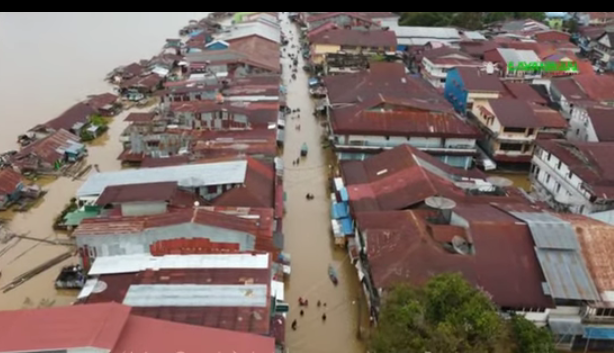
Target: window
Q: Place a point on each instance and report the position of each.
(560, 165)
(530, 132)
(558, 187)
(211, 189)
(570, 175)
(549, 156)
(547, 178)
(510, 147)
(577, 132)
(387, 138)
(514, 130)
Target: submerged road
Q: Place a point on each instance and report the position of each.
(307, 230)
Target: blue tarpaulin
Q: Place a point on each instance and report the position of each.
(345, 197)
(197, 32)
(339, 210)
(599, 333)
(347, 226)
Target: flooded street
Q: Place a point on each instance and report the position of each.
(308, 235)
(36, 86)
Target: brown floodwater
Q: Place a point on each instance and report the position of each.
(308, 237)
(50, 61)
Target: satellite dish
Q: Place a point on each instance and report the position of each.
(196, 204)
(500, 182)
(460, 245)
(440, 203)
(100, 287)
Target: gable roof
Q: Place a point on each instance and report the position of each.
(92, 326)
(258, 189)
(51, 148)
(78, 113)
(524, 91)
(603, 122)
(476, 80)
(9, 180)
(149, 192)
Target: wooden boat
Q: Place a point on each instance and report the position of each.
(304, 150)
(332, 274)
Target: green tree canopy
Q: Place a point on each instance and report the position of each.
(448, 315)
(467, 20)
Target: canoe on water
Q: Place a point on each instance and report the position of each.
(332, 274)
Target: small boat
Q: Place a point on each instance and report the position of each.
(332, 274)
(304, 150)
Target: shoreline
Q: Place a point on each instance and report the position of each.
(21, 256)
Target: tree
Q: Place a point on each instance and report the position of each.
(466, 20)
(449, 315)
(530, 338)
(572, 26)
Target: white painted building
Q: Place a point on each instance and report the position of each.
(574, 176)
(592, 124)
(438, 62)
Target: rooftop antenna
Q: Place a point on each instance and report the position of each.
(444, 206)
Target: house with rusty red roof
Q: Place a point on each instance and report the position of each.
(73, 120)
(574, 176)
(582, 91)
(511, 127)
(105, 104)
(404, 177)
(383, 108)
(232, 291)
(250, 229)
(11, 185)
(594, 123)
(412, 246)
(50, 153)
(466, 85)
(359, 42)
(112, 328)
(349, 20)
(437, 62)
(225, 115)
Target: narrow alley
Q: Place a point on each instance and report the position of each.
(307, 231)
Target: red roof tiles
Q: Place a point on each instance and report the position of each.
(77, 327)
(149, 335)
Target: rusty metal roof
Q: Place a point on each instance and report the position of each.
(9, 180)
(514, 113)
(356, 38)
(149, 192)
(78, 113)
(400, 248)
(597, 244)
(140, 117)
(148, 335)
(49, 149)
(100, 101)
(245, 319)
(258, 190)
(603, 122)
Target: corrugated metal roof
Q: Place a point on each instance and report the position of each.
(516, 56)
(566, 275)
(138, 263)
(549, 232)
(252, 29)
(196, 295)
(432, 33)
(473, 35)
(194, 175)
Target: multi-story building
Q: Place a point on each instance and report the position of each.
(512, 126)
(466, 85)
(436, 64)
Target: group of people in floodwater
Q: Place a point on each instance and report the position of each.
(304, 304)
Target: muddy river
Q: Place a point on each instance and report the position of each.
(50, 61)
(308, 235)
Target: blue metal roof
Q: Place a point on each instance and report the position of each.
(599, 333)
(339, 210)
(345, 197)
(347, 226)
(195, 33)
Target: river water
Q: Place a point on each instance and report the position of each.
(308, 235)
(50, 61)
